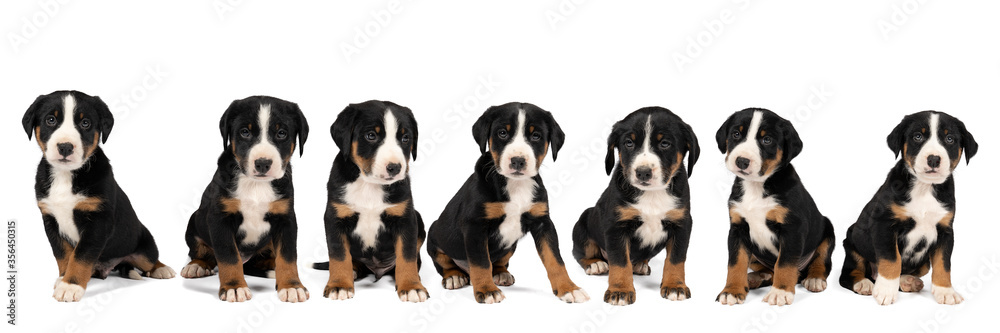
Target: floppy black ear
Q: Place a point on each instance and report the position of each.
(30, 118)
(224, 122)
(107, 119)
(303, 128)
(342, 130)
(722, 136)
(793, 143)
(413, 138)
(897, 138)
(694, 150)
(609, 160)
(968, 142)
(556, 135)
(481, 129)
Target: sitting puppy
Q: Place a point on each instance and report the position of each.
(371, 225)
(646, 207)
(246, 220)
(503, 200)
(907, 227)
(88, 219)
(776, 228)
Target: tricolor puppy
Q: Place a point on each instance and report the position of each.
(88, 219)
(645, 209)
(371, 225)
(906, 230)
(776, 228)
(503, 200)
(246, 221)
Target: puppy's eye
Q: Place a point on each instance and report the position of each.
(535, 136)
(281, 135)
(918, 137)
(737, 135)
(405, 138)
(85, 123)
(629, 143)
(767, 141)
(50, 120)
(664, 144)
(950, 139)
(371, 136)
(245, 133)
(502, 134)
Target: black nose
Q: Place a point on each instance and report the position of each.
(518, 163)
(644, 174)
(742, 163)
(262, 165)
(934, 161)
(65, 149)
(393, 169)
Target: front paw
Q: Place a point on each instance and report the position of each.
(597, 268)
(732, 296)
(194, 271)
(576, 296)
(620, 296)
(417, 294)
(490, 295)
(503, 279)
(675, 293)
(65, 292)
(164, 272)
(947, 296)
(293, 295)
(338, 293)
(235, 295)
(864, 287)
(779, 297)
(886, 291)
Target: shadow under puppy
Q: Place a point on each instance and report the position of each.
(371, 224)
(504, 199)
(246, 221)
(88, 219)
(645, 209)
(776, 228)
(907, 229)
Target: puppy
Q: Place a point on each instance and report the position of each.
(776, 228)
(646, 207)
(246, 221)
(371, 225)
(503, 200)
(88, 219)
(907, 227)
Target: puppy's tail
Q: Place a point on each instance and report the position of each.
(322, 266)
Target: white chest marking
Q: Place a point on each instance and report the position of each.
(255, 200)
(754, 208)
(653, 207)
(61, 201)
(521, 193)
(927, 212)
(368, 200)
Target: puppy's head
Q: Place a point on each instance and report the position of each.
(68, 125)
(261, 132)
(932, 144)
(757, 142)
(519, 136)
(651, 145)
(380, 137)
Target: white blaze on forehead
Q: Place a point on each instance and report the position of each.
(933, 147)
(66, 133)
(519, 147)
(264, 148)
(389, 152)
(748, 149)
(647, 158)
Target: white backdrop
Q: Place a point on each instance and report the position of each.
(846, 72)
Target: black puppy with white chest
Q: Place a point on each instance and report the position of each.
(646, 207)
(88, 219)
(776, 229)
(246, 221)
(371, 225)
(504, 199)
(906, 230)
